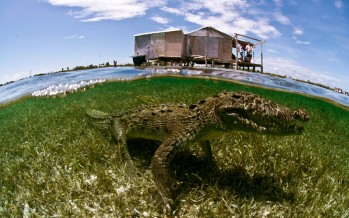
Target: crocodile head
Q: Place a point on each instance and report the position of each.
(250, 112)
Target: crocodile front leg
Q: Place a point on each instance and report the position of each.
(119, 133)
(160, 169)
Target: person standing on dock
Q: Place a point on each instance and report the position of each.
(240, 50)
(249, 49)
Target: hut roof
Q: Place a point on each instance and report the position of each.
(198, 32)
(163, 31)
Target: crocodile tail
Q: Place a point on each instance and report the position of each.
(100, 119)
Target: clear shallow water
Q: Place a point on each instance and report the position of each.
(31, 85)
(49, 142)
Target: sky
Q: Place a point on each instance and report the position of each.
(304, 39)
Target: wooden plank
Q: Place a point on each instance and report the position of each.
(249, 37)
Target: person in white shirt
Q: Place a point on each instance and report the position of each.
(249, 49)
(240, 50)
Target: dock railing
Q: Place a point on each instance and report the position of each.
(239, 39)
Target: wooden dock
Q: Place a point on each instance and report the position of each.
(190, 61)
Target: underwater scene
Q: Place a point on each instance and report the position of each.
(54, 162)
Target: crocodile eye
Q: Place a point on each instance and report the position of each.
(237, 111)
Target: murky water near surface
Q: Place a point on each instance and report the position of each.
(60, 82)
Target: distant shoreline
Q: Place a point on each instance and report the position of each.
(266, 73)
(78, 68)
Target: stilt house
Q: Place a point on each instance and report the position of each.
(206, 45)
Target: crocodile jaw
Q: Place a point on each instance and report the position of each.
(237, 122)
(250, 112)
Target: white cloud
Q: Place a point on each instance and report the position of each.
(97, 10)
(171, 10)
(338, 4)
(282, 18)
(229, 16)
(297, 41)
(290, 68)
(74, 37)
(160, 20)
(272, 50)
(171, 28)
(297, 31)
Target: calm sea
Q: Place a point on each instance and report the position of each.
(51, 83)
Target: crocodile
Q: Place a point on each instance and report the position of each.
(176, 126)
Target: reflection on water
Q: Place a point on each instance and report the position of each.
(62, 82)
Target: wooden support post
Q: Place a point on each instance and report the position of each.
(237, 55)
(262, 58)
(206, 60)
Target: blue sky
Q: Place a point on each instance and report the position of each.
(306, 39)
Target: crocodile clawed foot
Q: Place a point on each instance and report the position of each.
(168, 208)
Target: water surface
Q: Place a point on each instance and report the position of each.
(31, 85)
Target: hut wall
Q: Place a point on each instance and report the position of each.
(157, 45)
(210, 42)
(160, 44)
(174, 44)
(225, 49)
(142, 43)
(212, 47)
(195, 45)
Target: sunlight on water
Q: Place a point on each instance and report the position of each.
(54, 90)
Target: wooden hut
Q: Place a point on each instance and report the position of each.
(161, 46)
(208, 45)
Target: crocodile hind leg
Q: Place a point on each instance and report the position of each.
(160, 170)
(119, 133)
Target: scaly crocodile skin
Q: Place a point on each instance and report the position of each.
(177, 126)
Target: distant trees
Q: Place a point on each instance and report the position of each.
(91, 66)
